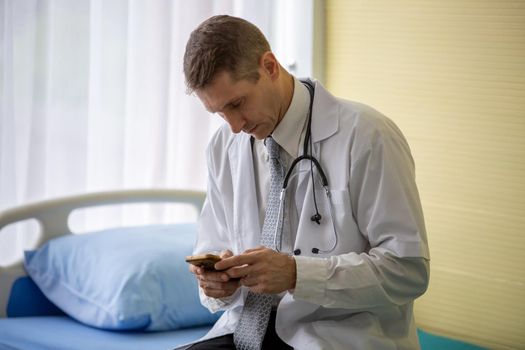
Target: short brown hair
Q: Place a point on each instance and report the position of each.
(223, 43)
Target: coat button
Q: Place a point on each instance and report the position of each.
(297, 252)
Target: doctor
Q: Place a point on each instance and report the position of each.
(346, 281)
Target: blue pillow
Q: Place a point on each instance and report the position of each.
(26, 300)
(122, 279)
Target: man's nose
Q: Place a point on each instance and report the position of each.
(235, 120)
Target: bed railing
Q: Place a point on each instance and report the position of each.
(53, 214)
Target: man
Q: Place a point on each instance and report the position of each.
(330, 270)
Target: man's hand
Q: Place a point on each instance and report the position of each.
(261, 269)
(216, 284)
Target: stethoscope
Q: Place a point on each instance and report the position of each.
(313, 163)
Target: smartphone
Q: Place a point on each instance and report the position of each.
(206, 261)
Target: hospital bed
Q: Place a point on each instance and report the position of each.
(121, 288)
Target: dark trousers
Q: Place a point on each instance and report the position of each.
(271, 340)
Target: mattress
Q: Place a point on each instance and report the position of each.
(64, 333)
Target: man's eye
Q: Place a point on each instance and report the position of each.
(236, 104)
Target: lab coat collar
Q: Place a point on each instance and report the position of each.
(288, 132)
(325, 113)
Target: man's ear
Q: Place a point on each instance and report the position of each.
(270, 65)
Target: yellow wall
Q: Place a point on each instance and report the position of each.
(451, 74)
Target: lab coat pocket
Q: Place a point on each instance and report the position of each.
(336, 205)
(340, 197)
(337, 209)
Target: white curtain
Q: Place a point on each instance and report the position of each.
(92, 98)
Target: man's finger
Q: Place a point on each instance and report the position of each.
(226, 254)
(240, 271)
(234, 261)
(248, 281)
(251, 250)
(212, 284)
(214, 276)
(217, 293)
(219, 289)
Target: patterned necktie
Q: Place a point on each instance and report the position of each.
(251, 329)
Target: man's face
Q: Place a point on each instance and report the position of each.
(246, 106)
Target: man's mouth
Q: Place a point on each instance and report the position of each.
(251, 130)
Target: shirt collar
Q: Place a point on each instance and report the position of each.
(289, 131)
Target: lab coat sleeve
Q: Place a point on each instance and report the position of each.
(360, 281)
(217, 304)
(212, 232)
(387, 209)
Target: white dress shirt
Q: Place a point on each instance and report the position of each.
(289, 134)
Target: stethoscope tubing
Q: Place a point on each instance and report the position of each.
(321, 174)
(280, 223)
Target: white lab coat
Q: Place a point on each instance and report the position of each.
(359, 296)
